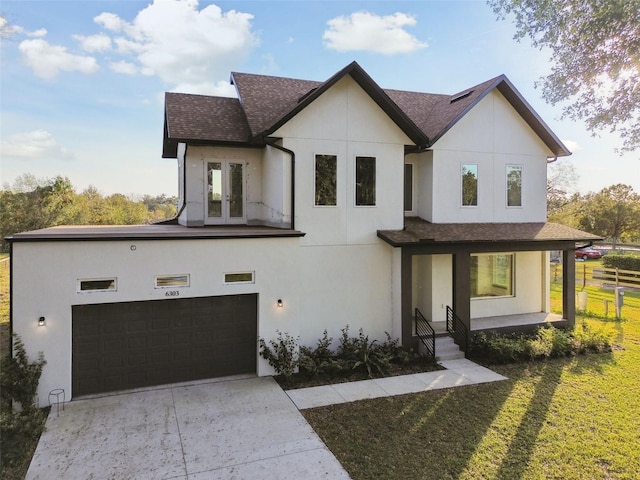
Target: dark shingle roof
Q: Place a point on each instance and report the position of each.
(267, 102)
(266, 99)
(201, 118)
(419, 231)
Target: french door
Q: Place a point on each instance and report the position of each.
(225, 202)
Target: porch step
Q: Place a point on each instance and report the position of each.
(446, 349)
(439, 327)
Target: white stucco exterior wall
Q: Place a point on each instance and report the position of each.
(492, 135)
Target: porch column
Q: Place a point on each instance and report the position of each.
(569, 286)
(462, 286)
(406, 298)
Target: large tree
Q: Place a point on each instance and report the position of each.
(595, 58)
(613, 212)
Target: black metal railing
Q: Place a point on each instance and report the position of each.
(458, 330)
(426, 334)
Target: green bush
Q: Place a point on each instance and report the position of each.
(623, 262)
(19, 377)
(283, 354)
(547, 342)
(354, 353)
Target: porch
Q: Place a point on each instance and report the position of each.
(508, 323)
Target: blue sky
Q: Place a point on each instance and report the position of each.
(82, 82)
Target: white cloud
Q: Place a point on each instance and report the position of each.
(184, 46)
(7, 31)
(364, 31)
(110, 21)
(37, 144)
(94, 43)
(572, 145)
(126, 68)
(41, 32)
(48, 60)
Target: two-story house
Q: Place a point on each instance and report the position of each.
(304, 206)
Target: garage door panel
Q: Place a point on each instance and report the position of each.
(135, 344)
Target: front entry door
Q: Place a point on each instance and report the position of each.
(225, 202)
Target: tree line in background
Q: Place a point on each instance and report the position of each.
(32, 203)
(612, 213)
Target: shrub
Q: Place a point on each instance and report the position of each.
(587, 340)
(283, 354)
(547, 342)
(19, 377)
(320, 360)
(623, 262)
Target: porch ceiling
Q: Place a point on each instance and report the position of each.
(420, 232)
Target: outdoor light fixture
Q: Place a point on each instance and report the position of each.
(41, 322)
(279, 303)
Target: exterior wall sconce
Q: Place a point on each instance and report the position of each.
(41, 322)
(279, 303)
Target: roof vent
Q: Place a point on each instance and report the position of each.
(460, 96)
(306, 94)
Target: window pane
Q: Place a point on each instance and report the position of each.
(408, 187)
(240, 277)
(214, 196)
(365, 181)
(514, 186)
(101, 284)
(470, 185)
(236, 196)
(491, 275)
(326, 186)
(172, 281)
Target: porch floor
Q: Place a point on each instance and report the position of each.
(521, 320)
(516, 322)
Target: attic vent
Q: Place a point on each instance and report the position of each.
(306, 94)
(460, 96)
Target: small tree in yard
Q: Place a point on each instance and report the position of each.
(19, 378)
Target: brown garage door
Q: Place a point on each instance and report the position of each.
(119, 346)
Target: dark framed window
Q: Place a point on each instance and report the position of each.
(408, 187)
(326, 180)
(365, 181)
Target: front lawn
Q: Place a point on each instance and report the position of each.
(569, 418)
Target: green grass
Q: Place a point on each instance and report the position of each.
(572, 418)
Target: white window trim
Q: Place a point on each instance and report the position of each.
(313, 200)
(355, 203)
(414, 210)
(155, 281)
(513, 277)
(506, 186)
(100, 279)
(244, 272)
(462, 185)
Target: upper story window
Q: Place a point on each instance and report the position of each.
(408, 187)
(514, 185)
(365, 181)
(470, 185)
(326, 183)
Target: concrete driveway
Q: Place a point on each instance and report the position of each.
(230, 429)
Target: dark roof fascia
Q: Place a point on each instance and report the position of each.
(133, 237)
(477, 100)
(483, 245)
(524, 109)
(373, 90)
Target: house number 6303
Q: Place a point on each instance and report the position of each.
(172, 293)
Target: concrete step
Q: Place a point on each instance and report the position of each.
(446, 349)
